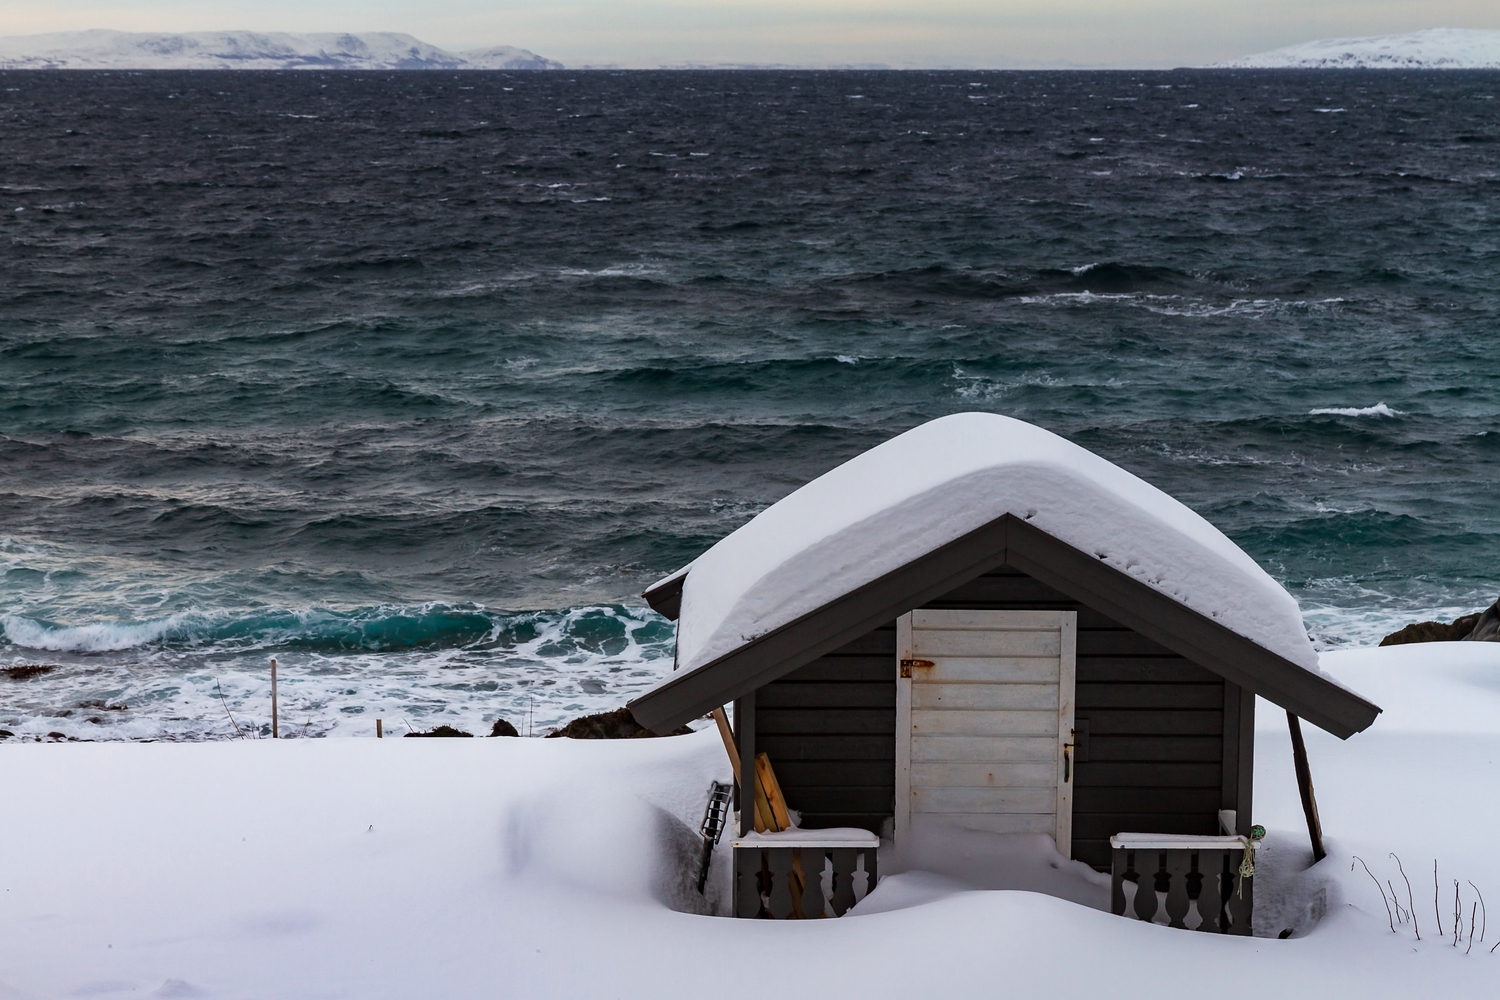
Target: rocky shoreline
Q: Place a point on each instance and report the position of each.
(1482, 626)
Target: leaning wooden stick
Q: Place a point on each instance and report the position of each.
(771, 813)
(764, 819)
(1305, 786)
(275, 726)
(727, 735)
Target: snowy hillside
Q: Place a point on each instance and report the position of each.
(1436, 48)
(249, 50)
(505, 57)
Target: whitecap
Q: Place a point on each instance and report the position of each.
(205, 674)
(98, 637)
(1378, 410)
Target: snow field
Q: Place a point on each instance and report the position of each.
(532, 868)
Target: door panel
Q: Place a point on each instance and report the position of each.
(985, 720)
(972, 722)
(979, 774)
(1019, 669)
(938, 641)
(985, 800)
(983, 748)
(990, 697)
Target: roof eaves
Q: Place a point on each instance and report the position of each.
(1007, 539)
(1133, 603)
(765, 658)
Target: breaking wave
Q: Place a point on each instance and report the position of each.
(203, 675)
(377, 629)
(1378, 410)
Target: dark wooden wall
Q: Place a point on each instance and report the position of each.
(830, 730)
(1163, 743)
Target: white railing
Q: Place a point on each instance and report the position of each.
(801, 874)
(1201, 883)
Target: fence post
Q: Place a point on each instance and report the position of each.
(275, 724)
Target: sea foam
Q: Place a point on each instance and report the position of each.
(1378, 410)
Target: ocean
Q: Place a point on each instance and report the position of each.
(414, 380)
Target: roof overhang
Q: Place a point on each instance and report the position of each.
(1007, 540)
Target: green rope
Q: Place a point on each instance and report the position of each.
(1247, 863)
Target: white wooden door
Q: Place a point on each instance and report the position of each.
(984, 720)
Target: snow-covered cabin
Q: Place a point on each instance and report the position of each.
(982, 621)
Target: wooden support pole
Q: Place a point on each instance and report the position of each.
(744, 724)
(1305, 786)
(763, 821)
(275, 725)
(727, 735)
(379, 729)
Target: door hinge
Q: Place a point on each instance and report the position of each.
(906, 666)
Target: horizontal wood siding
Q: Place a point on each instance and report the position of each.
(830, 731)
(1153, 761)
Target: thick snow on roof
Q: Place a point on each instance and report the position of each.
(937, 482)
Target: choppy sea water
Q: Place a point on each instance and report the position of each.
(414, 380)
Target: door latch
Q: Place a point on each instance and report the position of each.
(906, 666)
(1068, 755)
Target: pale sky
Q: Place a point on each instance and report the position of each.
(898, 33)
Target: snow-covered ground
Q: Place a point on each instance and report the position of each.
(529, 868)
(249, 50)
(1435, 48)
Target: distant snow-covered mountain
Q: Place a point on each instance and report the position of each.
(505, 57)
(249, 50)
(1436, 48)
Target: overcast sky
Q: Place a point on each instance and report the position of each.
(900, 33)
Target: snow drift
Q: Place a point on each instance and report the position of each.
(249, 50)
(555, 868)
(1435, 48)
(936, 483)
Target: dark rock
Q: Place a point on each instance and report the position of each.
(6, 734)
(26, 670)
(1433, 631)
(1487, 628)
(443, 731)
(503, 728)
(616, 725)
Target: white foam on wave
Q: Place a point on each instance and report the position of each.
(1378, 410)
(97, 637)
(1179, 305)
(168, 680)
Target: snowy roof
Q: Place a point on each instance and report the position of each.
(926, 488)
(939, 481)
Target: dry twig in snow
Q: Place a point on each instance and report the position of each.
(1378, 889)
(1411, 907)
